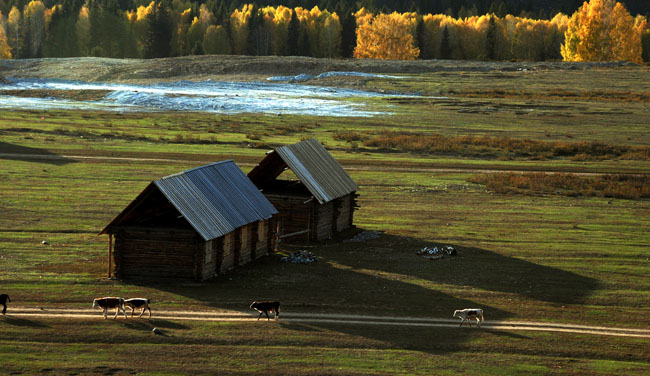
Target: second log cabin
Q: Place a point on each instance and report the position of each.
(318, 201)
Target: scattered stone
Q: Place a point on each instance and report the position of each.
(436, 253)
(300, 257)
(363, 236)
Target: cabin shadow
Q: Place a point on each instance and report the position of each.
(327, 288)
(23, 153)
(384, 277)
(484, 269)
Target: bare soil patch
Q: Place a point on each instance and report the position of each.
(78, 95)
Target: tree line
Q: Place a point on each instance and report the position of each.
(544, 9)
(127, 29)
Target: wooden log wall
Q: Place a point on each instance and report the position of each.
(245, 254)
(294, 214)
(299, 213)
(353, 206)
(228, 252)
(209, 265)
(145, 253)
(254, 242)
(148, 253)
(264, 235)
(345, 213)
(324, 216)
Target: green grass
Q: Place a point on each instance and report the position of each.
(282, 348)
(582, 260)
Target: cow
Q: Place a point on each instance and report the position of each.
(4, 298)
(469, 313)
(134, 303)
(266, 307)
(110, 302)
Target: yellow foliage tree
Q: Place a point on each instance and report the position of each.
(602, 30)
(215, 41)
(137, 19)
(34, 16)
(320, 32)
(330, 36)
(239, 29)
(13, 30)
(643, 27)
(491, 37)
(5, 51)
(276, 23)
(363, 17)
(182, 21)
(83, 31)
(387, 36)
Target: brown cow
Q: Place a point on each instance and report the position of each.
(110, 302)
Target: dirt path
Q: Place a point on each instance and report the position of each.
(335, 319)
(385, 167)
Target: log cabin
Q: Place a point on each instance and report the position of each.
(318, 202)
(192, 225)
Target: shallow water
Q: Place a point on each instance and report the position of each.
(202, 96)
(306, 77)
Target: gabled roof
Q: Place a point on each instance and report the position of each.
(215, 199)
(323, 176)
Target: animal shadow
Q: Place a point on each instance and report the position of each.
(18, 321)
(148, 325)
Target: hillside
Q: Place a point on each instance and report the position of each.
(246, 68)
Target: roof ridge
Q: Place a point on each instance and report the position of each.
(197, 168)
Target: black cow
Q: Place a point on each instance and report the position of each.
(266, 307)
(4, 298)
(110, 302)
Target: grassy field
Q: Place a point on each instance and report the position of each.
(538, 254)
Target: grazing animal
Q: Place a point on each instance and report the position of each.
(266, 307)
(4, 298)
(469, 313)
(110, 302)
(134, 303)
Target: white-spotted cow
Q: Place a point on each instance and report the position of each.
(134, 303)
(266, 307)
(469, 313)
(108, 302)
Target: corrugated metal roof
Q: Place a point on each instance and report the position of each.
(215, 199)
(317, 170)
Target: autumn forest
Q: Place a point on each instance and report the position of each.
(598, 30)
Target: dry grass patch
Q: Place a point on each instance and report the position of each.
(615, 186)
(489, 146)
(555, 94)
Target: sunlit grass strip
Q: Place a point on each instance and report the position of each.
(615, 186)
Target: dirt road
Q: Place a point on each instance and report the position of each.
(334, 319)
(384, 167)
